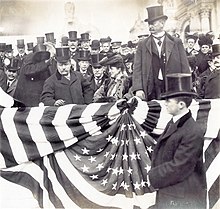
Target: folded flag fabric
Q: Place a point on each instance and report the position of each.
(96, 155)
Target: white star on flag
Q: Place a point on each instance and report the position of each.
(147, 168)
(100, 150)
(150, 149)
(100, 166)
(125, 157)
(143, 183)
(133, 156)
(93, 177)
(115, 171)
(104, 182)
(114, 186)
(130, 126)
(85, 168)
(137, 140)
(106, 154)
(137, 185)
(85, 151)
(77, 157)
(112, 156)
(114, 141)
(109, 138)
(143, 134)
(121, 171)
(123, 126)
(130, 170)
(92, 159)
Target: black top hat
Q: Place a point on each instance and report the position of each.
(40, 40)
(104, 40)
(40, 53)
(14, 64)
(62, 54)
(84, 55)
(2, 47)
(72, 35)
(20, 43)
(64, 41)
(215, 49)
(155, 13)
(50, 37)
(8, 48)
(96, 58)
(204, 40)
(178, 84)
(30, 46)
(85, 37)
(95, 44)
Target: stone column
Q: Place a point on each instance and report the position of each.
(205, 20)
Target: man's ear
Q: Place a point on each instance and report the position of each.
(182, 104)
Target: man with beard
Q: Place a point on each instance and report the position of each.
(156, 56)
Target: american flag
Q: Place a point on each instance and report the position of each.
(96, 155)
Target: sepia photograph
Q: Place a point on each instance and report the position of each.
(109, 104)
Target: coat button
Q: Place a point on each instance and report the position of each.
(32, 79)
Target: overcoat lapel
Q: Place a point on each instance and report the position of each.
(169, 44)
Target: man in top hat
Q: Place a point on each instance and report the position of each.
(177, 172)
(12, 76)
(105, 45)
(95, 46)
(30, 47)
(2, 55)
(85, 41)
(9, 51)
(156, 56)
(74, 51)
(116, 47)
(84, 64)
(40, 40)
(50, 38)
(34, 72)
(190, 42)
(66, 86)
(21, 51)
(64, 41)
(209, 87)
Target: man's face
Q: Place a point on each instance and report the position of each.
(83, 66)
(85, 45)
(64, 68)
(190, 43)
(21, 50)
(98, 71)
(73, 45)
(9, 54)
(11, 74)
(106, 47)
(216, 62)
(172, 106)
(116, 50)
(156, 26)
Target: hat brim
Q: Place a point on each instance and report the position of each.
(156, 18)
(176, 94)
(41, 56)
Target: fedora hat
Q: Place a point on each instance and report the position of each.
(96, 58)
(84, 55)
(73, 35)
(40, 53)
(50, 37)
(2, 47)
(13, 65)
(40, 40)
(178, 84)
(95, 44)
(20, 43)
(62, 54)
(215, 49)
(30, 46)
(8, 48)
(155, 13)
(85, 37)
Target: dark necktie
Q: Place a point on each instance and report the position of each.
(159, 39)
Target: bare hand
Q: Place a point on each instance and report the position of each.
(140, 94)
(59, 102)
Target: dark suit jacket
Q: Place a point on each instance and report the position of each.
(176, 61)
(12, 87)
(177, 166)
(3, 80)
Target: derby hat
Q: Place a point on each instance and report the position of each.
(62, 54)
(30, 46)
(2, 47)
(73, 35)
(105, 40)
(95, 59)
(95, 44)
(40, 53)
(215, 49)
(84, 55)
(85, 37)
(40, 40)
(50, 37)
(8, 48)
(155, 13)
(178, 84)
(64, 41)
(13, 65)
(20, 43)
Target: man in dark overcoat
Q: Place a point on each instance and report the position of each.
(156, 56)
(177, 172)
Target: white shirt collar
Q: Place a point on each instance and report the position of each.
(177, 117)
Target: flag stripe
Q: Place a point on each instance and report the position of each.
(214, 193)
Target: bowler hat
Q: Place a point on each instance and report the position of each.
(40, 40)
(2, 47)
(8, 48)
(64, 41)
(50, 37)
(13, 65)
(96, 58)
(104, 40)
(30, 46)
(215, 49)
(85, 37)
(62, 54)
(95, 44)
(155, 13)
(20, 43)
(72, 35)
(178, 84)
(40, 53)
(84, 55)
